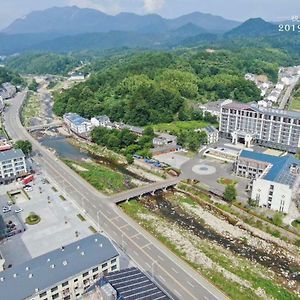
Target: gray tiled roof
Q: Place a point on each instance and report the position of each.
(80, 256)
(11, 154)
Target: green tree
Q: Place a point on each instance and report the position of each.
(149, 131)
(25, 146)
(230, 193)
(33, 86)
(130, 159)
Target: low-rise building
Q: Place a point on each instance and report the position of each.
(62, 274)
(214, 107)
(77, 124)
(212, 134)
(274, 179)
(7, 90)
(77, 76)
(12, 165)
(100, 121)
(165, 139)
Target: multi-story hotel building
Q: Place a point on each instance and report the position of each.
(12, 165)
(274, 180)
(249, 123)
(63, 274)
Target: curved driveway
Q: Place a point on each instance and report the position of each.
(181, 281)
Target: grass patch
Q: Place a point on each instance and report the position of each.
(100, 177)
(31, 109)
(81, 217)
(296, 224)
(62, 198)
(295, 103)
(92, 229)
(176, 127)
(226, 181)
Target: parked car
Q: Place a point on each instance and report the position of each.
(18, 210)
(6, 209)
(28, 188)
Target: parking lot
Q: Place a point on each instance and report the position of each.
(59, 223)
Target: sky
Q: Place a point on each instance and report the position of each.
(240, 10)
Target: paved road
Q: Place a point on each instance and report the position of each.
(181, 281)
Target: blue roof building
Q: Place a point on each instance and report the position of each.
(275, 179)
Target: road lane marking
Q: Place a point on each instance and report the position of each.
(178, 294)
(174, 270)
(164, 280)
(190, 284)
(160, 258)
(145, 246)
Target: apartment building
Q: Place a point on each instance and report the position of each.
(12, 165)
(274, 180)
(77, 124)
(249, 123)
(63, 274)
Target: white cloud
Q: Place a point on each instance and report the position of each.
(151, 6)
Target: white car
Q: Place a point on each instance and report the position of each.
(28, 189)
(6, 209)
(18, 210)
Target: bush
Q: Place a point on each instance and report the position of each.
(33, 219)
(277, 219)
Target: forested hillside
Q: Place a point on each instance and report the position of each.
(43, 63)
(9, 76)
(157, 87)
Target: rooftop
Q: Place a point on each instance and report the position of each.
(40, 273)
(75, 118)
(11, 154)
(259, 109)
(132, 284)
(210, 129)
(281, 166)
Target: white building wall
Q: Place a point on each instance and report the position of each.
(277, 199)
(77, 284)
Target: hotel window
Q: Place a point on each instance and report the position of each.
(54, 289)
(43, 294)
(55, 296)
(113, 268)
(113, 261)
(85, 274)
(65, 283)
(95, 269)
(104, 265)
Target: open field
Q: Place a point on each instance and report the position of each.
(244, 262)
(32, 108)
(175, 127)
(100, 177)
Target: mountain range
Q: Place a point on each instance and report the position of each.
(74, 20)
(64, 29)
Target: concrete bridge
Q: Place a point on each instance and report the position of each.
(144, 190)
(45, 126)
